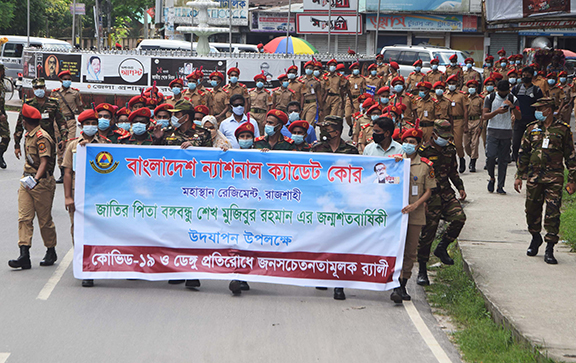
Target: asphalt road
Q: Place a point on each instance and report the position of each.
(141, 321)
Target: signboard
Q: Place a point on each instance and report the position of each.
(159, 213)
(48, 65)
(438, 6)
(165, 70)
(263, 21)
(216, 16)
(318, 23)
(422, 22)
(80, 9)
(337, 5)
(520, 9)
(115, 69)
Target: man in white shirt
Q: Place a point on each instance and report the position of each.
(383, 144)
(229, 125)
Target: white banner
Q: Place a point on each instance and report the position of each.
(521, 9)
(318, 23)
(337, 5)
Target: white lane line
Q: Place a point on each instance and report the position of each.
(56, 276)
(426, 334)
(4, 357)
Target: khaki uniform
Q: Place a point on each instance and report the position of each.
(457, 70)
(219, 102)
(312, 92)
(236, 89)
(261, 100)
(443, 109)
(487, 72)
(296, 85)
(435, 76)
(557, 94)
(198, 97)
(569, 94)
(70, 101)
(426, 111)
(458, 104)
(472, 136)
(362, 131)
(542, 83)
(408, 100)
(413, 79)
(333, 86)
(374, 83)
(281, 97)
(357, 87)
(38, 201)
(383, 71)
(171, 100)
(469, 75)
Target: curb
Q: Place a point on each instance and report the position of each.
(499, 318)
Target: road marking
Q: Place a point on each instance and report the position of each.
(56, 276)
(4, 357)
(426, 334)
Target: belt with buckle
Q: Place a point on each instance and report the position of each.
(257, 110)
(333, 94)
(473, 118)
(426, 124)
(310, 101)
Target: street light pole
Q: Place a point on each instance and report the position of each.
(357, 23)
(230, 26)
(377, 25)
(329, 23)
(288, 26)
(73, 23)
(28, 24)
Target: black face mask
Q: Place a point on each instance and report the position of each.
(527, 79)
(378, 138)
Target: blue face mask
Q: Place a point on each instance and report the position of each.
(192, 86)
(163, 123)
(90, 130)
(298, 139)
(417, 69)
(176, 91)
(269, 130)
(502, 64)
(40, 93)
(562, 79)
(374, 117)
(409, 149)
(259, 84)
(373, 73)
(518, 62)
(384, 99)
(398, 88)
(355, 72)
(285, 84)
(198, 123)
(292, 75)
(512, 80)
(439, 92)
(245, 144)
(309, 71)
(66, 83)
(551, 82)
(469, 65)
(535, 73)
(139, 128)
(490, 88)
(422, 94)
(539, 116)
(238, 110)
(214, 83)
(332, 68)
(151, 113)
(175, 121)
(103, 123)
(124, 125)
(471, 90)
(293, 116)
(434, 67)
(233, 79)
(341, 73)
(441, 142)
(316, 73)
(488, 65)
(452, 87)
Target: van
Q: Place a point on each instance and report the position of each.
(167, 44)
(236, 48)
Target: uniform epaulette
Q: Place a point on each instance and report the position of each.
(242, 84)
(430, 71)
(291, 90)
(252, 89)
(316, 78)
(288, 140)
(434, 100)
(121, 132)
(412, 73)
(427, 161)
(72, 139)
(565, 124)
(462, 92)
(122, 137)
(395, 155)
(39, 134)
(301, 80)
(187, 98)
(259, 138)
(169, 97)
(348, 76)
(225, 91)
(53, 99)
(418, 98)
(275, 89)
(422, 147)
(201, 93)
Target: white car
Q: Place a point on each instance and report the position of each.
(166, 44)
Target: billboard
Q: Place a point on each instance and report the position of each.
(272, 22)
(337, 5)
(422, 22)
(216, 16)
(441, 6)
(520, 9)
(319, 23)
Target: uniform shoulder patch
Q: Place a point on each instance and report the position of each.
(425, 160)
(291, 90)
(431, 173)
(251, 89)
(201, 93)
(434, 100)
(288, 140)
(169, 97)
(275, 89)
(565, 124)
(242, 85)
(75, 89)
(39, 134)
(259, 138)
(41, 146)
(122, 137)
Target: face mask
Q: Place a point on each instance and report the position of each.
(422, 94)
(163, 122)
(198, 123)
(439, 92)
(453, 63)
(535, 73)
(356, 72)
(332, 68)
(527, 79)
(214, 83)
(441, 142)
(409, 149)
(452, 87)
(124, 125)
(518, 62)
(325, 135)
(434, 67)
(490, 88)
(151, 113)
(192, 86)
(176, 91)
(398, 88)
(285, 84)
(90, 130)
(469, 65)
(309, 71)
(39, 93)
(551, 82)
(66, 83)
(103, 123)
(417, 69)
(378, 138)
(293, 116)
(238, 110)
(175, 121)
(233, 79)
(373, 72)
(379, 63)
(298, 139)
(502, 64)
(471, 90)
(488, 65)
(259, 84)
(342, 73)
(539, 116)
(269, 130)
(245, 144)
(562, 79)
(384, 99)
(374, 117)
(361, 109)
(139, 128)
(316, 73)
(291, 76)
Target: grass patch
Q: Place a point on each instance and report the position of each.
(479, 338)
(568, 218)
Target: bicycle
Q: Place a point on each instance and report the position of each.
(8, 89)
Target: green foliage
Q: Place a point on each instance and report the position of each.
(568, 218)
(6, 13)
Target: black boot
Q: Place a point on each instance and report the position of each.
(23, 261)
(87, 283)
(339, 293)
(396, 295)
(192, 284)
(549, 254)
(462, 165)
(534, 245)
(235, 287)
(50, 257)
(2, 162)
(176, 282)
(244, 286)
(422, 279)
(403, 291)
(61, 179)
(442, 253)
(473, 165)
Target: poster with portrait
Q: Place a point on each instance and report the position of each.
(539, 7)
(165, 70)
(52, 64)
(114, 69)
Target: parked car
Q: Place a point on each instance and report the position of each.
(236, 47)
(166, 44)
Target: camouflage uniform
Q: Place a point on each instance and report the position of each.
(115, 135)
(284, 143)
(542, 168)
(569, 94)
(132, 140)
(4, 127)
(196, 135)
(50, 112)
(324, 147)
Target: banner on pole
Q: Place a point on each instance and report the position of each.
(159, 213)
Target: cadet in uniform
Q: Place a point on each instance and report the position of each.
(70, 102)
(502, 54)
(299, 131)
(50, 113)
(547, 145)
(542, 83)
(282, 95)
(219, 99)
(183, 130)
(273, 138)
(107, 128)
(331, 142)
(459, 113)
(513, 77)
(383, 96)
(177, 85)
(454, 69)
(122, 119)
(295, 84)
(140, 120)
(401, 97)
(568, 97)
(415, 77)
(235, 88)
(261, 101)
(311, 93)
(364, 125)
(373, 82)
(434, 75)
(137, 102)
(357, 87)
(37, 197)
(88, 120)
(334, 83)
(4, 127)
(425, 107)
(554, 91)
(472, 134)
(443, 108)
(488, 67)
(469, 74)
(195, 94)
(443, 203)
(382, 68)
